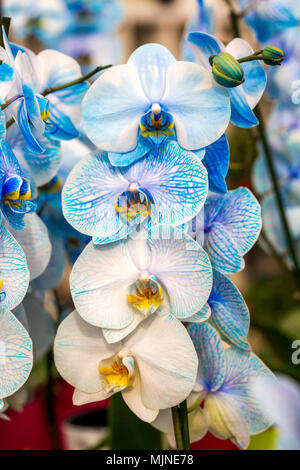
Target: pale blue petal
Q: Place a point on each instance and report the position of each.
(241, 113)
(90, 194)
(113, 126)
(152, 62)
(223, 252)
(241, 215)
(59, 125)
(15, 354)
(216, 162)
(242, 370)
(229, 311)
(143, 147)
(201, 316)
(13, 270)
(183, 268)
(205, 45)
(200, 108)
(210, 352)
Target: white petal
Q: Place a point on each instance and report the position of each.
(99, 283)
(34, 240)
(132, 398)
(166, 359)
(78, 350)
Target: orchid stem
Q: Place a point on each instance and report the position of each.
(177, 428)
(184, 425)
(98, 69)
(181, 426)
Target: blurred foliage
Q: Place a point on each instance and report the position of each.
(275, 314)
(128, 432)
(264, 441)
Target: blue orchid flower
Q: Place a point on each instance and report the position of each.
(243, 97)
(36, 115)
(228, 227)
(281, 401)
(224, 383)
(15, 188)
(42, 19)
(15, 354)
(270, 17)
(150, 99)
(41, 167)
(93, 16)
(108, 203)
(18, 212)
(229, 312)
(14, 274)
(222, 401)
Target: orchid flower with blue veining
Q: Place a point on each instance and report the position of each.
(228, 226)
(116, 286)
(168, 188)
(18, 212)
(229, 408)
(154, 368)
(15, 188)
(132, 108)
(245, 96)
(15, 354)
(35, 114)
(270, 17)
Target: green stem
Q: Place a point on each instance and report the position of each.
(184, 425)
(75, 82)
(177, 428)
(50, 400)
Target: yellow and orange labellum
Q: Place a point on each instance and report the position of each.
(116, 375)
(145, 295)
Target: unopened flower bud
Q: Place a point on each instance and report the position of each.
(226, 70)
(273, 55)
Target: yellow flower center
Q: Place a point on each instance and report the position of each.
(45, 114)
(118, 376)
(145, 294)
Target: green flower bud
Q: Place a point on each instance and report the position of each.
(274, 55)
(226, 70)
